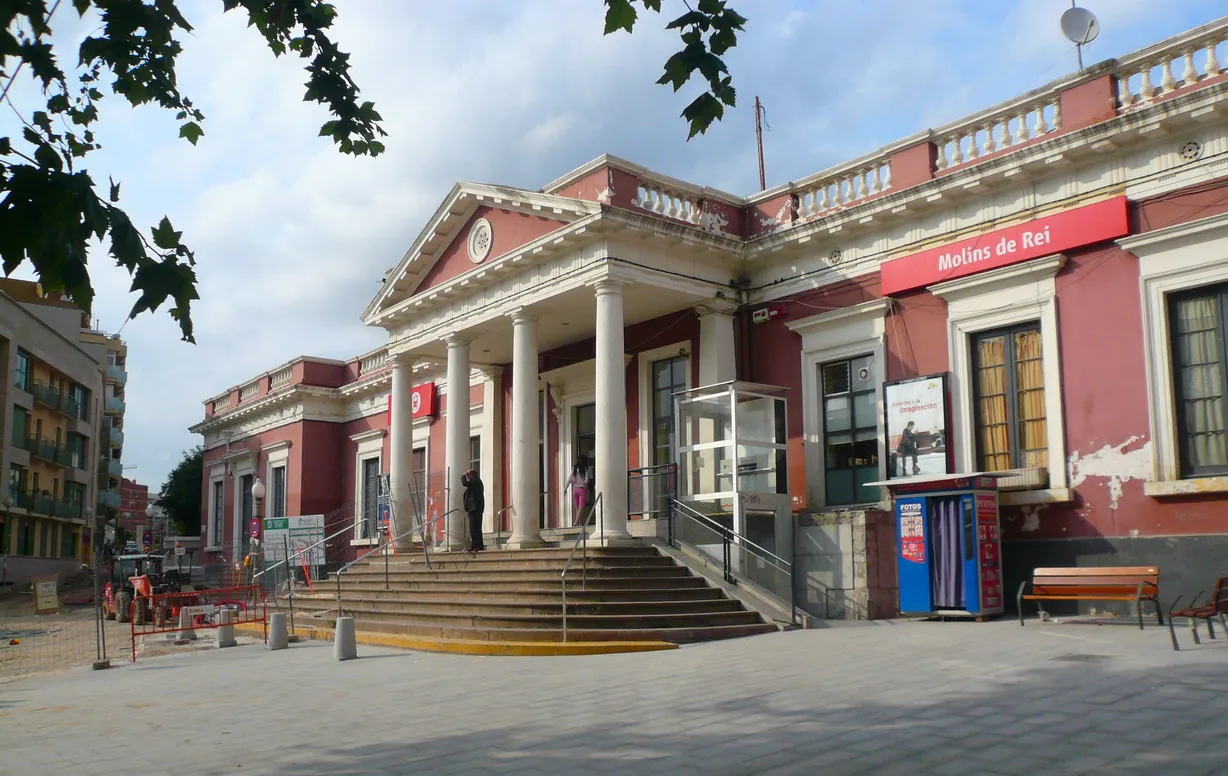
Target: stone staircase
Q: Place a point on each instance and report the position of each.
(632, 594)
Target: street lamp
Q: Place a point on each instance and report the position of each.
(257, 531)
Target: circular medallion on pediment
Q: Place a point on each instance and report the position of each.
(480, 238)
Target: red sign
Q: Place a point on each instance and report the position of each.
(1041, 237)
(421, 402)
(990, 542)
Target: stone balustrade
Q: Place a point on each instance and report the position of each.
(281, 378)
(222, 403)
(249, 391)
(372, 362)
(1175, 64)
(843, 187)
(668, 202)
(983, 135)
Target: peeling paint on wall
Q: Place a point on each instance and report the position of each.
(1031, 519)
(606, 195)
(713, 223)
(1113, 463)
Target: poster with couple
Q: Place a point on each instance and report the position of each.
(917, 427)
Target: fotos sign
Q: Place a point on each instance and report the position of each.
(1046, 236)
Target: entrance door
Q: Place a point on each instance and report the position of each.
(583, 448)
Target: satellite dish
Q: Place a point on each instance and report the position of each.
(1080, 26)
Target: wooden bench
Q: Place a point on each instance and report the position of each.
(1105, 583)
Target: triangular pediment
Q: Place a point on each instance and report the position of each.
(448, 247)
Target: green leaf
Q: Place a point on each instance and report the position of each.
(191, 131)
(114, 190)
(619, 15)
(702, 111)
(6, 146)
(165, 236)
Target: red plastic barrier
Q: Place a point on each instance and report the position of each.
(154, 614)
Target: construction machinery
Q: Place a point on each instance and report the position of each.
(135, 578)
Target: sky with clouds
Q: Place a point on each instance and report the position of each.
(292, 237)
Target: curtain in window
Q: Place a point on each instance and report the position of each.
(1200, 372)
(1030, 387)
(992, 412)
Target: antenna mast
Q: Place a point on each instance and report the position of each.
(759, 142)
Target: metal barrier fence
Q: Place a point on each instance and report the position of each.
(184, 613)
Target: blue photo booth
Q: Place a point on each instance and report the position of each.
(950, 550)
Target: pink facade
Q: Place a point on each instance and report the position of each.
(772, 288)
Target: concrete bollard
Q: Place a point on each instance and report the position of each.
(226, 630)
(186, 632)
(277, 631)
(345, 641)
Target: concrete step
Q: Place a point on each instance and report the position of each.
(675, 635)
(415, 606)
(557, 553)
(594, 621)
(480, 561)
(501, 574)
(532, 593)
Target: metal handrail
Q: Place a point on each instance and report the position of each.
(741, 539)
(583, 540)
(425, 553)
(729, 538)
(369, 553)
(499, 522)
(300, 552)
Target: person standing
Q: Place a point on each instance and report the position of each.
(475, 506)
(908, 448)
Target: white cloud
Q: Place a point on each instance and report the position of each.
(292, 238)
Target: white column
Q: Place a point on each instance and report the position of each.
(526, 478)
(717, 354)
(401, 442)
(492, 448)
(611, 444)
(456, 439)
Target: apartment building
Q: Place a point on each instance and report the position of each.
(51, 427)
(111, 449)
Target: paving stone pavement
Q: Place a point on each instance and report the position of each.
(889, 698)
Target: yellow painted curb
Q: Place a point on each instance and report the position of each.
(474, 647)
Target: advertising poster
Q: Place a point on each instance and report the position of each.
(916, 412)
(990, 543)
(912, 532)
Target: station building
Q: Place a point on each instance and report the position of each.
(1040, 287)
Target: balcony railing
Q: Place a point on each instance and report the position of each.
(42, 503)
(110, 467)
(116, 436)
(50, 397)
(114, 405)
(116, 374)
(47, 450)
(108, 499)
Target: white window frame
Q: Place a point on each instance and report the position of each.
(1173, 259)
(839, 335)
(997, 299)
(370, 447)
(216, 474)
(646, 359)
(277, 454)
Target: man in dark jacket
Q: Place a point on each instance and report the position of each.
(475, 506)
(908, 448)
